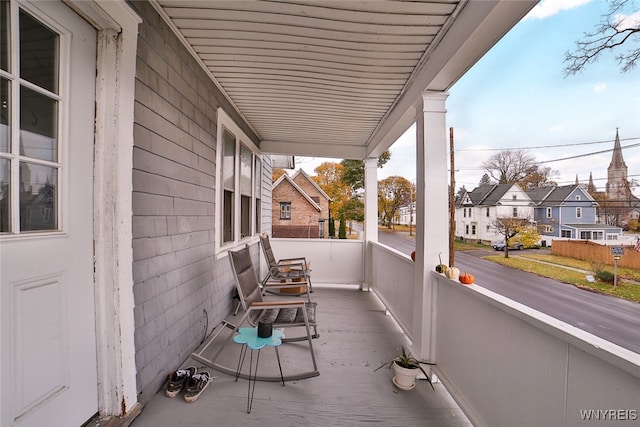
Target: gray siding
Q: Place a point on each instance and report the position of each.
(267, 185)
(181, 291)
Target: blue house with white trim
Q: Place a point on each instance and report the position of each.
(569, 211)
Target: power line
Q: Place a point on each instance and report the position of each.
(588, 154)
(548, 146)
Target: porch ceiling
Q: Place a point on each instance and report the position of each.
(336, 78)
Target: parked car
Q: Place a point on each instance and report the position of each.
(499, 246)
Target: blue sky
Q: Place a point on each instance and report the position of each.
(516, 96)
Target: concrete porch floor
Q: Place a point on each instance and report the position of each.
(355, 338)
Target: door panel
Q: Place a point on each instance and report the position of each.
(48, 347)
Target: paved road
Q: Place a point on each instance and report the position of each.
(611, 318)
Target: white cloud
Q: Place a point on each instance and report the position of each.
(600, 87)
(547, 8)
(557, 128)
(624, 22)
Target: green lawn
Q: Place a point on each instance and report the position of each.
(625, 290)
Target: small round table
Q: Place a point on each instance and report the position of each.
(248, 336)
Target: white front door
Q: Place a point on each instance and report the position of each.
(48, 362)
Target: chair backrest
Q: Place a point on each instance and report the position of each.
(266, 249)
(246, 279)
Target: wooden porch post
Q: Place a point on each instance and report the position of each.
(432, 229)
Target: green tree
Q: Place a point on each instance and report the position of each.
(461, 192)
(329, 178)
(332, 227)
(393, 192)
(485, 180)
(342, 231)
(353, 173)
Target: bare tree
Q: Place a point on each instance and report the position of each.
(614, 30)
(508, 227)
(510, 166)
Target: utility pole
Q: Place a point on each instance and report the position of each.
(452, 201)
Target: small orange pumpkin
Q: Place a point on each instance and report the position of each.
(466, 278)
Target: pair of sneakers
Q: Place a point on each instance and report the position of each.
(190, 380)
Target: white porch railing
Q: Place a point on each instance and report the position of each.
(507, 364)
(333, 261)
(392, 279)
(504, 363)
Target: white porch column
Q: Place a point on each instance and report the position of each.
(432, 228)
(117, 26)
(371, 200)
(370, 215)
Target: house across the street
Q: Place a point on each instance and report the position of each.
(300, 208)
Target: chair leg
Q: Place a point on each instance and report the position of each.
(198, 356)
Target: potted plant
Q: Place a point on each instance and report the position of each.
(406, 369)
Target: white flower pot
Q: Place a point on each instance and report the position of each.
(405, 379)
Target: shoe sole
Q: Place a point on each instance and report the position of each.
(190, 398)
(176, 392)
(172, 393)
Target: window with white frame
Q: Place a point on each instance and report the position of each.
(285, 210)
(239, 191)
(549, 212)
(514, 213)
(257, 192)
(31, 160)
(487, 213)
(565, 233)
(578, 212)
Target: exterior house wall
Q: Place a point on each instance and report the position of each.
(476, 222)
(548, 226)
(486, 231)
(313, 192)
(266, 197)
(304, 216)
(565, 212)
(179, 284)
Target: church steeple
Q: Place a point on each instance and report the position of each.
(617, 184)
(591, 187)
(617, 162)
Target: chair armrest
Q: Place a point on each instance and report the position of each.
(276, 304)
(298, 260)
(288, 284)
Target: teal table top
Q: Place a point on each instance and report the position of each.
(249, 336)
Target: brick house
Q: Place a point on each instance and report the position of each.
(299, 207)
